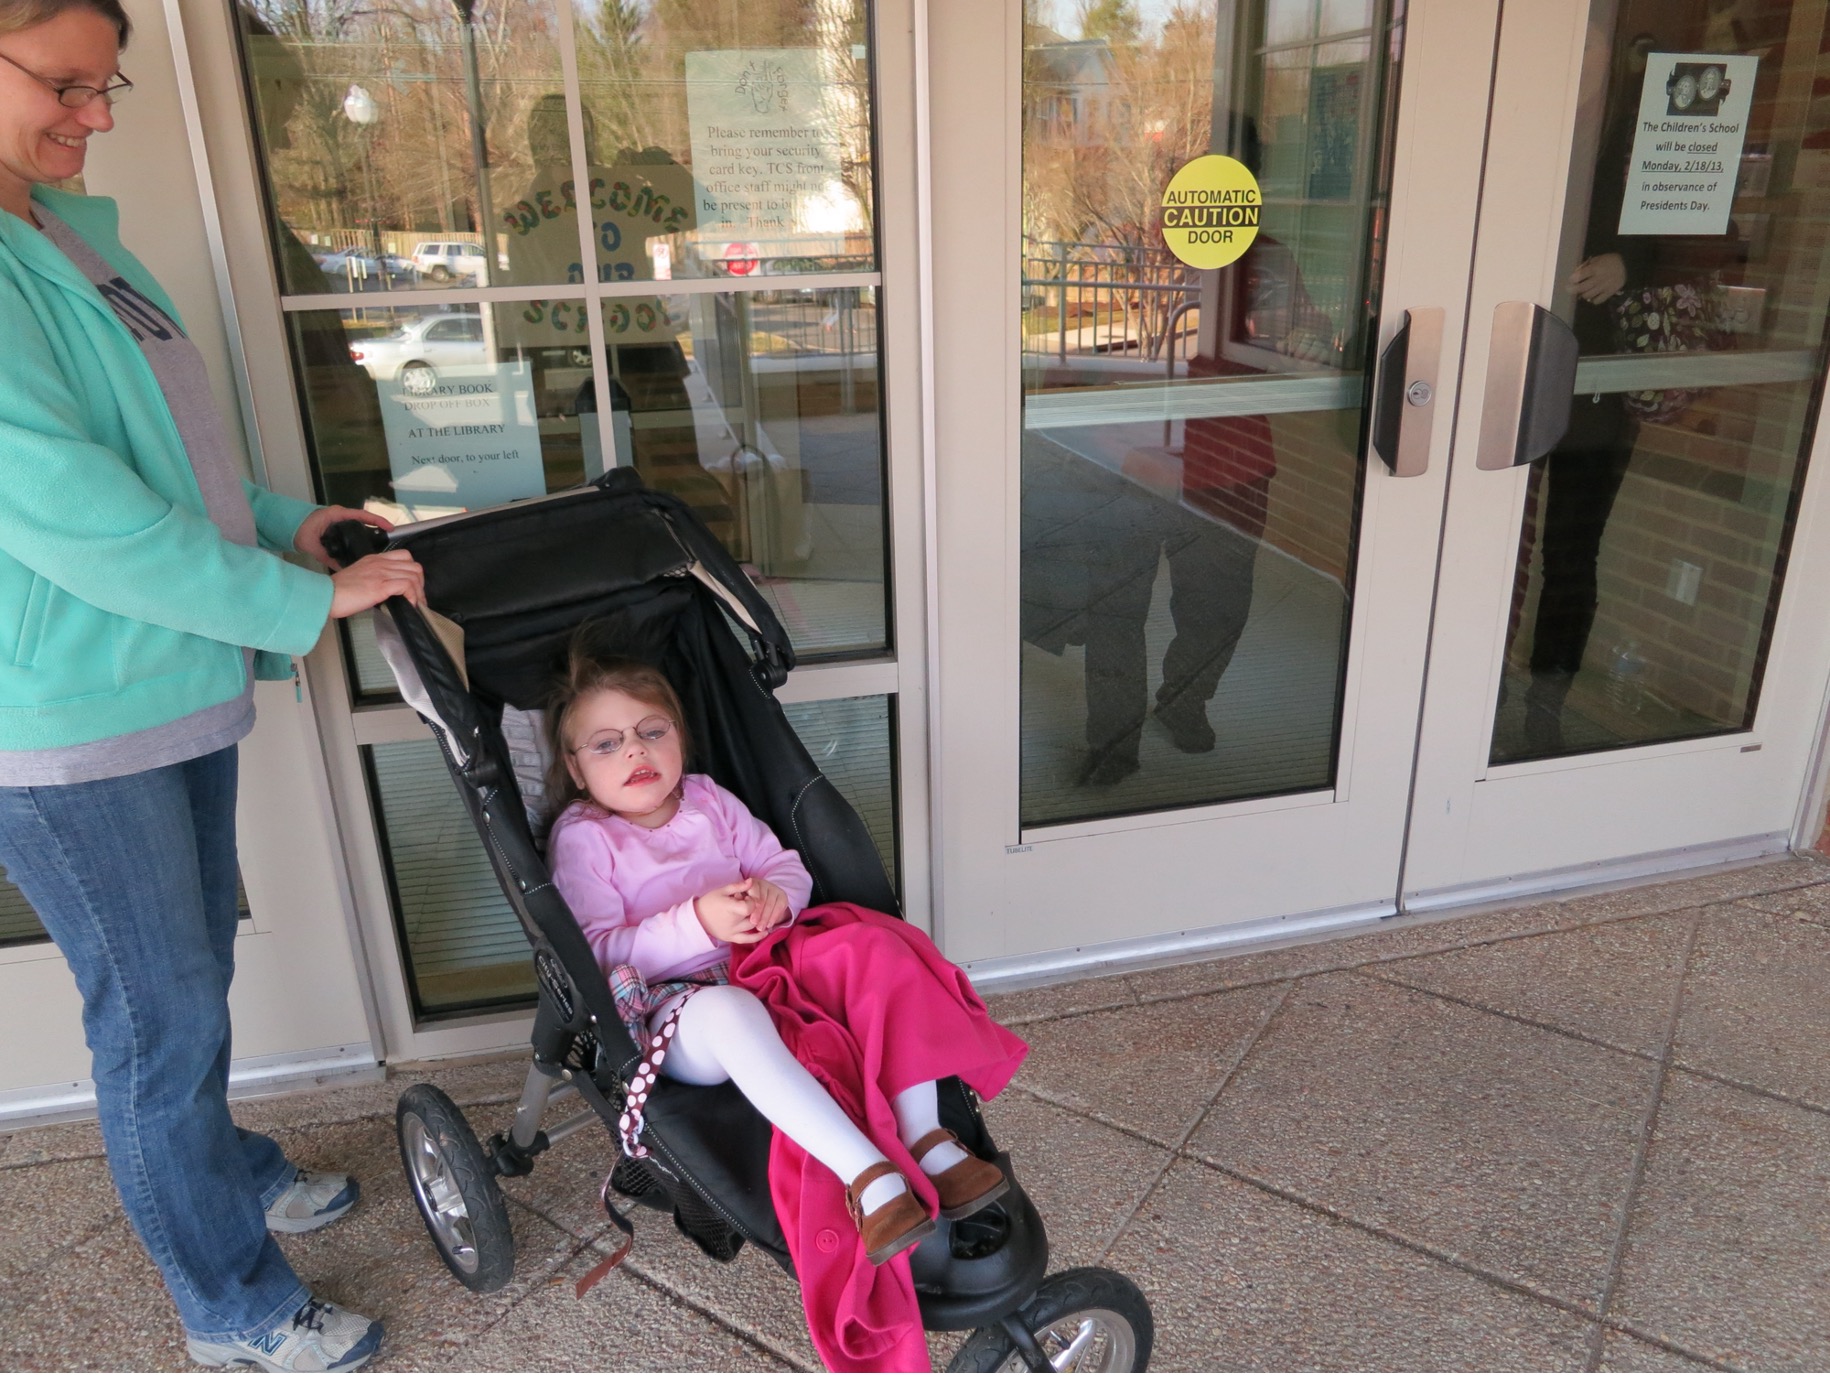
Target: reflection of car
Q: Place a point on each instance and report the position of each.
(414, 353)
(444, 259)
(358, 270)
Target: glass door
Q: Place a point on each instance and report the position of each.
(1325, 565)
(1626, 663)
(1184, 591)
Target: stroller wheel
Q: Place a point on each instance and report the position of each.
(454, 1186)
(1086, 1319)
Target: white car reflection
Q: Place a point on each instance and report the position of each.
(414, 353)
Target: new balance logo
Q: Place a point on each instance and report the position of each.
(268, 1344)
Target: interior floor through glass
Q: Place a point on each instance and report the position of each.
(1273, 714)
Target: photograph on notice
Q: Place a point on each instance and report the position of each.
(1696, 88)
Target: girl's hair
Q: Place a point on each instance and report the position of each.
(16, 15)
(589, 672)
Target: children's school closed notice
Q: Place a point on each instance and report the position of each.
(1693, 112)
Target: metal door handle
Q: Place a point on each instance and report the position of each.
(1404, 407)
(1531, 379)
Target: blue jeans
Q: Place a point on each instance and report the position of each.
(134, 878)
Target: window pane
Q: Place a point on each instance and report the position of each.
(373, 123)
(1345, 16)
(421, 412)
(761, 410)
(19, 924)
(463, 944)
(852, 739)
(370, 670)
(1655, 536)
(1288, 21)
(1192, 453)
(723, 140)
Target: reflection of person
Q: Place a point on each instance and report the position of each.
(1092, 539)
(1583, 474)
(677, 887)
(642, 195)
(341, 401)
(1227, 466)
(142, 574)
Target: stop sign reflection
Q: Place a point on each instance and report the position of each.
(740, 259)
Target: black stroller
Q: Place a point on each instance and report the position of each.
(510, 585)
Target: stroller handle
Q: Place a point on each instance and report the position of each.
(349, 540)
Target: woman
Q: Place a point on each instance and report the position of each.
(140, 592)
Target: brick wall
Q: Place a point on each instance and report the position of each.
(1313, 495)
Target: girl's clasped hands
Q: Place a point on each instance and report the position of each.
(743, 912)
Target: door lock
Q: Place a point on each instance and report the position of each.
(1399, 436)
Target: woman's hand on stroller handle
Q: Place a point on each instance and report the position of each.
(309, 539)
(372, 580)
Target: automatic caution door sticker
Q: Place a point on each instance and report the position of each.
(1210, 211)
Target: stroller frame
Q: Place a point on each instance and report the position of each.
(515, 582)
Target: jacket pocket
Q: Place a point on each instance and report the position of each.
(31, 624)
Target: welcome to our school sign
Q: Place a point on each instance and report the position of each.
(1210, 211)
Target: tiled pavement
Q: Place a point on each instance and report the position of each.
(1587, 1134)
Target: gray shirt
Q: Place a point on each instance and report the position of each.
(178, 366)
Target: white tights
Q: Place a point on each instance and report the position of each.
(726, 1033)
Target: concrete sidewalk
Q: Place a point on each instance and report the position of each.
(1584, 1134)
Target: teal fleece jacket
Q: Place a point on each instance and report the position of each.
(121, 605)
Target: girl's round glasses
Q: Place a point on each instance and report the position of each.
(75, 97)
(650, 731)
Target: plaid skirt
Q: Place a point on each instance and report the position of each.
(636, 1001)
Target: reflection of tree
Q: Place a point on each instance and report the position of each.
(842, 31)
(610, 47)
(1107, 120)
(409, 55)
(1114, 21)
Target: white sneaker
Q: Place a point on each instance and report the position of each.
(320, 1336)
(314, 1199)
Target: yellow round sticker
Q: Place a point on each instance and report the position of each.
(1210, 211)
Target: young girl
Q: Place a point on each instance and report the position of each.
(666, 872)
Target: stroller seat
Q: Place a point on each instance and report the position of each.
(507, 590)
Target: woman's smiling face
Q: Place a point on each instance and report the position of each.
(638, 779)
(40, 139)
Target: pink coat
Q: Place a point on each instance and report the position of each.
(869, 1005)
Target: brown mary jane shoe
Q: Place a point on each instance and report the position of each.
(893, 1227)
(965, 1187)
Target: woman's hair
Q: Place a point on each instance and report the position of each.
(588, 672)
(29, 14)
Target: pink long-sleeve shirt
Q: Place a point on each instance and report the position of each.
(632, 888)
